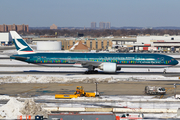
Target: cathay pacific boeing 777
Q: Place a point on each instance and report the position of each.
(108, 62)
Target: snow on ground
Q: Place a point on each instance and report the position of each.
(93, 79)
(15, 108)
(115, 101)
(4, 56)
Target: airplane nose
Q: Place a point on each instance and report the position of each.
(176, 62)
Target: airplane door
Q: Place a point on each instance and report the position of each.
(162, 59)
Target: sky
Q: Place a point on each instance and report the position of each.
(80, 13)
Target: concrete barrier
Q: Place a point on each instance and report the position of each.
(98, 109)
(116, 110)
(51, 108)
(137, 110)
(64, 109)
(72, 109)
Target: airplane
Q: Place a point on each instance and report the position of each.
(108, 62)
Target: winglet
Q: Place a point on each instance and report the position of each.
(21, 45)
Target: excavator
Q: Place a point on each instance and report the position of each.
(78, 93)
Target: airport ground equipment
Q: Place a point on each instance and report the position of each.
(154, 90)
(130, 116)
(78, 93)
(177, 96)
(172, 88)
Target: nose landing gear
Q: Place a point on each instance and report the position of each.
(164, 71)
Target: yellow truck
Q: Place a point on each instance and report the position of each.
(78, 93)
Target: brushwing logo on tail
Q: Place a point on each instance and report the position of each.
(21, 46)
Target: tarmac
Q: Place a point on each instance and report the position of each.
(27, 90)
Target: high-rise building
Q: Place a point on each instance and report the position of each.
(108, 25)
(102, 25)
(93, 25)
(7, 28)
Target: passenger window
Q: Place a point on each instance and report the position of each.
(172, 38)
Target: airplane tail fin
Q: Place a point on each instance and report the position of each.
(21, 45)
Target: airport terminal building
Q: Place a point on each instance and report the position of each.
(164, 43)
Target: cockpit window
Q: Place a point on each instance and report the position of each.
(163, 89)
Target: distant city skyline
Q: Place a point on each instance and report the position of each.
(93, 25)
(78, 13)
(102, 25)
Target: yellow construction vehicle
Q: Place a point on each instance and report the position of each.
(79, 93)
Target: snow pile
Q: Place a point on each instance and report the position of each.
(11, 109)
(33, 109)
(51, 79)
(14, 109)
(4, 97)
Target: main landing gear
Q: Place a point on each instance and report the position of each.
(91, 70)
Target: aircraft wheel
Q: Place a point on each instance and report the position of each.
(90, 72)
(96, 71)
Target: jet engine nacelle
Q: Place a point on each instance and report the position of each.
(108, 67)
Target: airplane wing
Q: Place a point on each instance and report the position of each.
(84, 62)
(87, 63)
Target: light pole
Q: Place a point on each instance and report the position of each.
(174, 89)
(96, 89)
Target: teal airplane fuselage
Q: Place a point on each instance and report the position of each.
(122, 60)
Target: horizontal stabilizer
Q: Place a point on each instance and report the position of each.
(19, 58)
